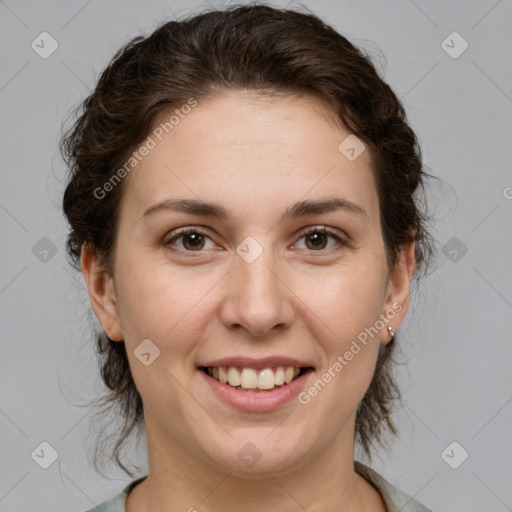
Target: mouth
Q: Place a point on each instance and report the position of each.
(256, 380)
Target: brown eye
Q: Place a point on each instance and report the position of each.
(318, 238)
(192, 240)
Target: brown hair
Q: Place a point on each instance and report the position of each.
(269, 51)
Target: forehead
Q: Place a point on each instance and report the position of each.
(246, 149)
(248, 119)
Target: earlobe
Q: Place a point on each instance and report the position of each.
(101, 293)
(398, 292)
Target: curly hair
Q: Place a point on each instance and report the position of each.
(269, 51)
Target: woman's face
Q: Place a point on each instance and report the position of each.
(251, 290)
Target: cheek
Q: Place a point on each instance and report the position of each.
(350, 307)
(350, 299)
(159, 302)
(168, 310)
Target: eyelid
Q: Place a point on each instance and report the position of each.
(340, 239)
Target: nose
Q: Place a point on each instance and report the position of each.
(258, 299)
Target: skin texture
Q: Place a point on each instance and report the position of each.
(255, 157)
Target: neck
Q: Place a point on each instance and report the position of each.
(180, 479)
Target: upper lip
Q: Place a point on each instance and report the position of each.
(249, 362)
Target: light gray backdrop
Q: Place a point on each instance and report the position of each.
(457, 383)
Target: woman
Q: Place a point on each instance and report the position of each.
(242, 206)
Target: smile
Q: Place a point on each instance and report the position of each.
(247, 379)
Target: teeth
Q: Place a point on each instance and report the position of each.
(266, 379)
(223, 376)
(248, 378)
(233, 377)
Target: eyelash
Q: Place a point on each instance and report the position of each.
(187, 231)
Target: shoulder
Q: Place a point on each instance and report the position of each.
(394, 499)
(117, 503)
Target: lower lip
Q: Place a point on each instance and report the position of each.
(257, 400)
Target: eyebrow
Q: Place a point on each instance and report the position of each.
(298, 210)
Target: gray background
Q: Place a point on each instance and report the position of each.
(457, 383)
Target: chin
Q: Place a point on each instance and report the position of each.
(256, 452)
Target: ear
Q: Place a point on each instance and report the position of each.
(101, 292)
(398, 291)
